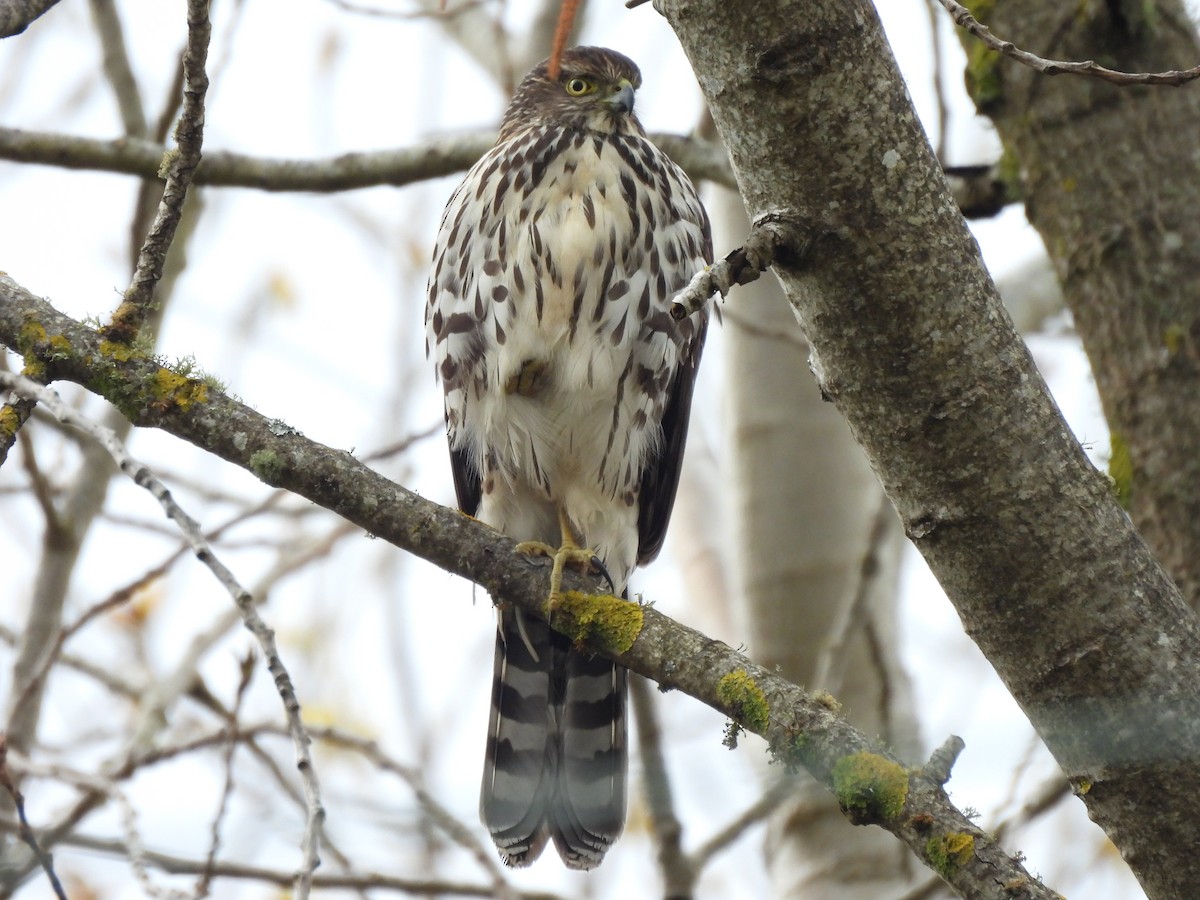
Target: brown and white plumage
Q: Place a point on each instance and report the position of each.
(567, 392)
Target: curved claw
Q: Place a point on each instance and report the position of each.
(599, 567)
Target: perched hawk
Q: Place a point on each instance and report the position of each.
(567, 390)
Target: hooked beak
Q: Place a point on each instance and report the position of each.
(621, 100)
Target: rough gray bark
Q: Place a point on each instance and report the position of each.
(17, 15)
(911, 342)
(1113, 181)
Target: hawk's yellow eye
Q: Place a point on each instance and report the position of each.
(577, 87)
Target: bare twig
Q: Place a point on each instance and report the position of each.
(143, 477)
(127, 321)
(973, 26)
(117, 68)
(441, 817)
(33, 685)
(204, 885)
(741, 266)
(373, 881)
(566, 21)
(679, 876)
(44, 859)
(943, 759)
(448, 12)
(771, 799)
(831, 666)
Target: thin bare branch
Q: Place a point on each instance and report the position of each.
(143, 477)
(678, 873)
(1089, 68)
(771, 799)
(127, 321)
(448, 12)
(204, 884)
(741, 266)
(117, 69)
(26, 832)
(702, 160)
(373, 881)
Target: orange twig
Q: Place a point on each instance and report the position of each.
(566, 20)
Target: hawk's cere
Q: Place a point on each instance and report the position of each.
(567, 387)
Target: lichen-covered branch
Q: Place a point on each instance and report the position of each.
(801, 729)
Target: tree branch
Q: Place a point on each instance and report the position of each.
(801, 729)
(17, 15)
(966, 21)
(702, 160)
(127, 321)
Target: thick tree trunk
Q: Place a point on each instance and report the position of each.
(1112, 178)
(912, 343)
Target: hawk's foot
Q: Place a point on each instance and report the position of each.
(529, 381)
(569, 554)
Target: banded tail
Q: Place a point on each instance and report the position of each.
(556, 754)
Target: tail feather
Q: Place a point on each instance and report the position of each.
(556, 751)
(589, 809)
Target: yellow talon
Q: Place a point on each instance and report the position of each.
(570, 553)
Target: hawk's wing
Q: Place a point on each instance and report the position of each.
(660, 478)
(467, 483)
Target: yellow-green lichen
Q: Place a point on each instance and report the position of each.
(869, 787)
(949, 852)
(739, 693)
(60, 347)
(828, 701)
(119, 352)
(602, 620)
(168, 159)
(267, 465)
(1174, 338)
(32, 333)
(9, 422)
(179, 390)
(1120, 469)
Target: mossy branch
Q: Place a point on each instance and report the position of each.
(802, 729)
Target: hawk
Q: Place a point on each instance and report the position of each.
(567, 392)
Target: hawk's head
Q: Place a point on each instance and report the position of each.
(593, 91)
